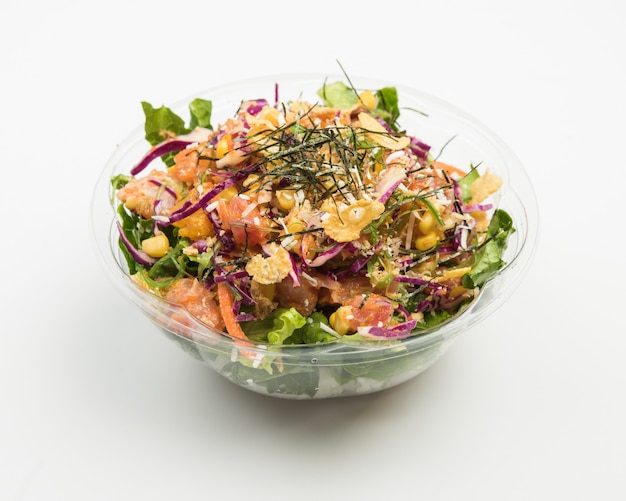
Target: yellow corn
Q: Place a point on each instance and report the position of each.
(426, 222)
(339, 320)
(286, 199)
(368, 99)
(295, 226)
(427, 241)
(250, 181)
(252, 184)
(156, 246)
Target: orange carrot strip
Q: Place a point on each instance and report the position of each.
(226, 300)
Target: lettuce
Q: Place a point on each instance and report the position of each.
(287, 326)
(488, 259)
(312, 332)
(162, 122)
(200, 110)
(465, 184)
(292, 380)
(338, 95)
(274, 328)
(387, 107)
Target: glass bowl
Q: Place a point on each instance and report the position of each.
(344, 367)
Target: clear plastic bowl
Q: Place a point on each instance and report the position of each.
(341, 368)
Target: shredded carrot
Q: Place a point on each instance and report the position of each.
(226, 301)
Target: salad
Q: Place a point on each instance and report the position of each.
(297, 222)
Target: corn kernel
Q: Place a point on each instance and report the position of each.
(131, 203)
(250, 180)
(426, 222)
(427, 241)
(368, 99)
(252, 184)
(295, 226)
(339, 320)
(286, 199)
(223, 146)
(156, 246)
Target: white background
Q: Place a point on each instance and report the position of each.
(96, 405)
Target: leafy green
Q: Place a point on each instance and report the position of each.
(401, 362)
(488, 259)
(387, 107)
(161, 121)
(119, 181)
(200, 110)
(285, 323)
(287, 326)
(312, 332)
(135, 229)
(276, 327)
(465, 184)
(172, 266)
(338, 95)
(434, 318)
(204, 262)
(292, 380)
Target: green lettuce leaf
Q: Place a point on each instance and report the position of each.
(200, 110)
(136, 229)
(488, 259)
(160, 120)
(465, 184)
(276, 327)
(338, 95)
(312, 332)
(292, 380)
(387, 107)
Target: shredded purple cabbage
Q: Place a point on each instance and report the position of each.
(182, 213)
(398, 331)
(167, 146)
(323, 257)
(256, 106)
(167, 189)
(139, 256)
